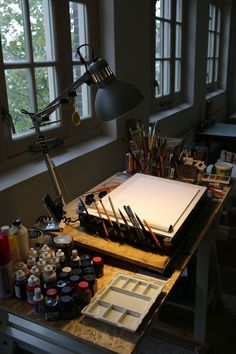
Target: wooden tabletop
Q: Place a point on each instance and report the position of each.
(103, 335)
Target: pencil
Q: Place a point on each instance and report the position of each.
(105, 211)
(152, 233)
(100, 216)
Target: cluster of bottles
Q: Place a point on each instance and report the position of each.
(56, 284)
(14, 247)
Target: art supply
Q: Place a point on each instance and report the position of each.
(223, 168)
(74, 259)
(52, 305)
(49, 276)
(19, 285)
(152, 233)
(113, 210)
(14, 249)
(100, 216)
(67, 307)
(6, 276)
(22, 236)
(32, 283)
(98, 266)
(215, 179)
(38, 302)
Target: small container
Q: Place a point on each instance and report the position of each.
(19, 285)
(35, 271)
(62, 259)
(38, 302)
(49, 276)
(89, 270)
(98, 266)
(91, 280)
(67, 308)
(84, 293)
(60, 285)
(74, 281)
(66, 290)
(52, 305)
(41, 264)
(67, 270)
(23, 266)
(45, 248)
(74, 259)
(63, 276)
(33, 282)
(31, 261)
(65, 243)
(33, 253)
(46, 256)
(77, 271)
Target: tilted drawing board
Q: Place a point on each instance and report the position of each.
(164, 203)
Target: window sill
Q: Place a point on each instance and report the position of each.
(31, 169)
(215, 93)
(156, 117)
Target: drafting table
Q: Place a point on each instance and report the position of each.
(18, 323)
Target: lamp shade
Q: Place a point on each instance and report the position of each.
(114, 97)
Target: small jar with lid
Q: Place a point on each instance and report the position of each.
(20, 281)
(66, 290)
(91, 280)
(52, 305)
(84, 292)
(46, 256)
(23, 266)
(67, 270)
(74, 281)
(33, 252)
(45, 248)
(98, 266)
(60, 285)
(65, 243)
(67, 307)
(41, 264)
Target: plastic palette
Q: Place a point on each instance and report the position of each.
(125, 301)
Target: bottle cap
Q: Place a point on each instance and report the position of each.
(48, 268)
(37, 294)
(60, 254)
(74, 254)
(97, 260)
(16, 222)
(52, 292)
(83, 285)
(20, 275)
(67, 270)
(5, 229)
(33, 280)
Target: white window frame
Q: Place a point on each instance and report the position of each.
(15, 151)
(174, 96)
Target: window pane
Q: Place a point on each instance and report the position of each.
(217, 46)
(218, 20)
(177, 75)
(159, 37)
(78, 28)
(18, 92)
(211, 45)
(179, 10)
(159, 8)
(167, 9)
(158, 78)
(210, 70)
(166, 77)
(45, 86)
(41, 30)
(83, 94)
(178, 41)
(167, 44)
(12, 31)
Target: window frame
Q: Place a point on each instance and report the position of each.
(16, 151)
(173, 98)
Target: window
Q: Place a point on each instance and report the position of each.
(213, 48)
(38, 60)
(168, 51)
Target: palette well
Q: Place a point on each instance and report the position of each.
(125, 301)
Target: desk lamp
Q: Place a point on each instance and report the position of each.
(113, 99)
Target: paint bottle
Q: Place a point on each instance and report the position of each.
(14, 250)
(23, 266)
(74, 259)
(22, 236)
(67, 307)
(20, 285)
(62, 259)
(35, 271)
(98, 266)
(52, 305)
(6, 275)
(33, 282)
(46, 256)
(38, 302)
(30, 261)
(49, 277)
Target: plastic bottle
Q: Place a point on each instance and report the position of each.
(38, 302)
(14, 250)
(31, 261)
(74, 259)
(20, 285)
(6, 275)
(21, 234)
(49, 276)
(61, 255)
(33, 282)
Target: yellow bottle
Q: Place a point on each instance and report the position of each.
(13, 244)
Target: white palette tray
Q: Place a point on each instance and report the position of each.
(125, 301)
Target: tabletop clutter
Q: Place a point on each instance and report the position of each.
(56, 281)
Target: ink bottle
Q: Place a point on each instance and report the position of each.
(60, 285)
(98, 266)
(91, 280)
(62, 258)
(52, 305)
(84, 293)
(89, 270)
(20, 285)
(67, 270)
(67, 308)
(74, 281)
(66, 290)
(65, 243)
(38, 302)
(33, 282)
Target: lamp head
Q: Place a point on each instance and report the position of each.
(114, 97)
